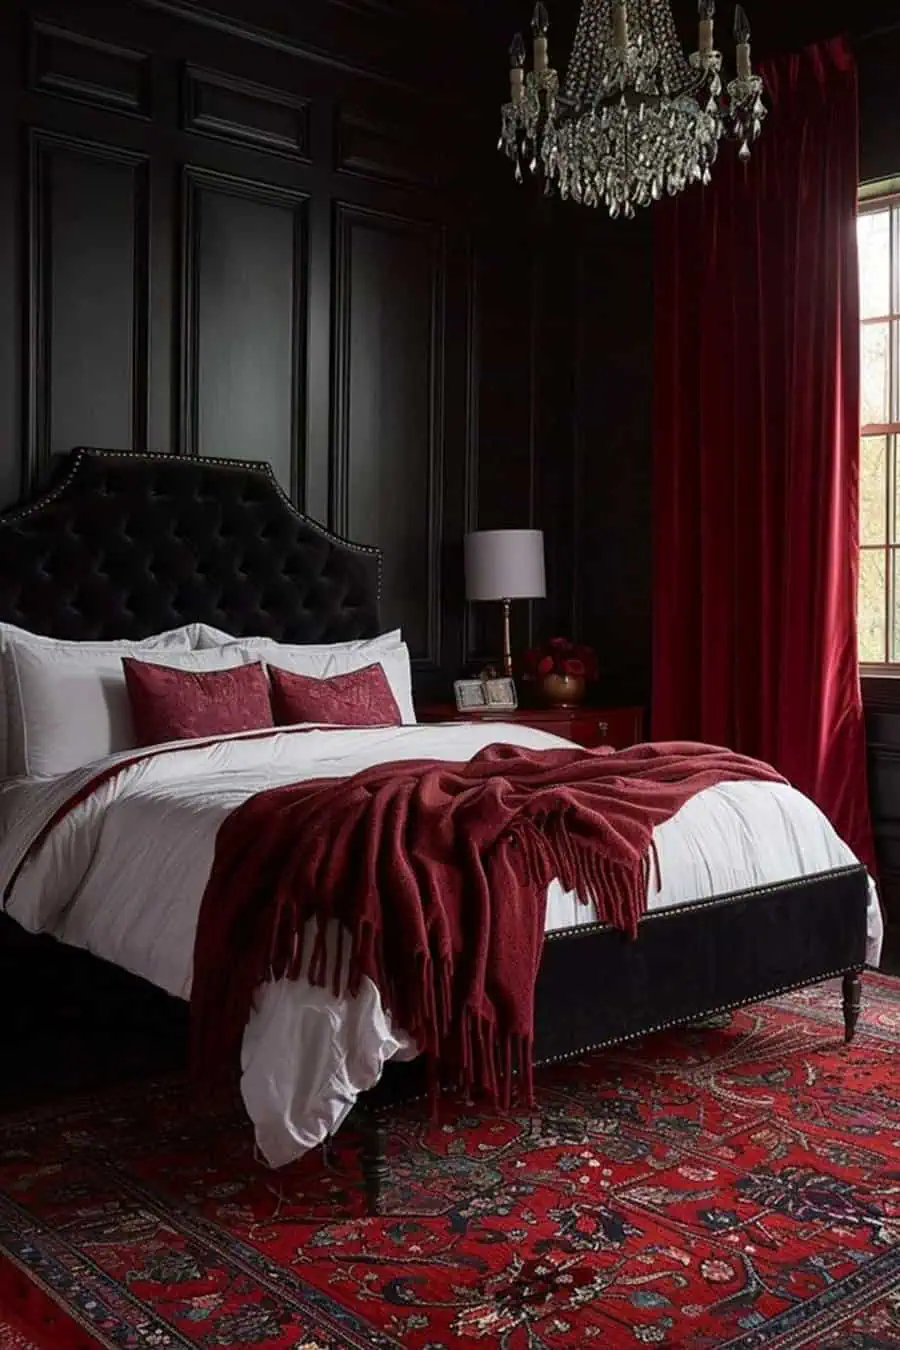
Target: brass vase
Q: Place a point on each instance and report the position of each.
(563, 691)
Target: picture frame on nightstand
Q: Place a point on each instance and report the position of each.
(470, 695)
(486, 696)
(501, 695)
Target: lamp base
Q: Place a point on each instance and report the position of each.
(507, 644)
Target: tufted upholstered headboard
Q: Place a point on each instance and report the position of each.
(125, 545)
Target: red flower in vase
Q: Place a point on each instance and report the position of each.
(560, 656)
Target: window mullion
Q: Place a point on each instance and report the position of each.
(887, 547)
(891, 440)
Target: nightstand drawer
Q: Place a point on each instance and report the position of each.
(616, 727)
(590, 727)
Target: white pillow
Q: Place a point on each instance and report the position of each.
(321, 664)
(205, 636)
(175, 640)
(73, 709)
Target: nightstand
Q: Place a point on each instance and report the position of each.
(587, 726)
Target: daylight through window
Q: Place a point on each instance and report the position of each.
(879, 577)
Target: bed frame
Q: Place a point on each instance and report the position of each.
(123, 546)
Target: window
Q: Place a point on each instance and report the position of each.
(879, 573)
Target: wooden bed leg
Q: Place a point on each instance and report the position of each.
(373, 1156)
(852, 994)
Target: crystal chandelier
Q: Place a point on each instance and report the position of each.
(636, 119)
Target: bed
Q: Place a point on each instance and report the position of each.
(759, 895)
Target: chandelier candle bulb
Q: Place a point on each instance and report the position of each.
(517, 69)
(742, 38)
(620, 26)
(539, 25)
(744, 68)
(706, 35)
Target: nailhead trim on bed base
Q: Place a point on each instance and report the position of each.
(714, 902)
(837, 889)
(382, 1108)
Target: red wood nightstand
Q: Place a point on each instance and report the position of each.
(590, 727)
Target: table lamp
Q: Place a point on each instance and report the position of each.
(505, 565)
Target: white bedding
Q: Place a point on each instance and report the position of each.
(122, 875)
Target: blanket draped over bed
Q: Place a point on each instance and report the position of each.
(436, 875)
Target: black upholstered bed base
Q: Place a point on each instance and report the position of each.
(127, 545)
(596, 988)
(697, 960)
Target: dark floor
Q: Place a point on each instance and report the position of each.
(72, 1024)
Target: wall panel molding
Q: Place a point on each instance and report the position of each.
(364, 294)
(197, 184)
(73, 65)
(382, 150)
(473, 430)
(267, 38)
(243, 229)
(95, 317)
(244, 113)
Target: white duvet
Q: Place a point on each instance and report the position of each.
(123, 873)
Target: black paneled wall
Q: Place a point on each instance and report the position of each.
(282, 231)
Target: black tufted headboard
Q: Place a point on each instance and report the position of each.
(123, 546)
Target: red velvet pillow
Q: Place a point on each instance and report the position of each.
(361, 698)
(183, 705)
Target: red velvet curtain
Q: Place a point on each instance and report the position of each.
(757, 447)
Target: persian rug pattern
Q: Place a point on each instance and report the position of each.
(734, 1188)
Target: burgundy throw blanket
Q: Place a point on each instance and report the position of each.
(436, 874)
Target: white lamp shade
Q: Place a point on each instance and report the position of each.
(505, 565)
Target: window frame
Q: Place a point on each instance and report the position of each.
(873, 199)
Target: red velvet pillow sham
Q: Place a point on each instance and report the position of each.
(183, 705)
(360, 698)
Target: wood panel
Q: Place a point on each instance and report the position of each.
(614, 451)
(879, 60)
(375, 147)
(342, 278)
(881, 698)
(88, 302)
(14, 351)
(79, 67)
(250, 114)
(503, 493)
(388, 408)
(244, 328)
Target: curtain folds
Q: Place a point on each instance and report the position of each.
(756, 447)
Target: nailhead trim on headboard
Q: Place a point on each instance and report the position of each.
(58, 566)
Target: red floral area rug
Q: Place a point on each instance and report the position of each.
(731, 1188)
